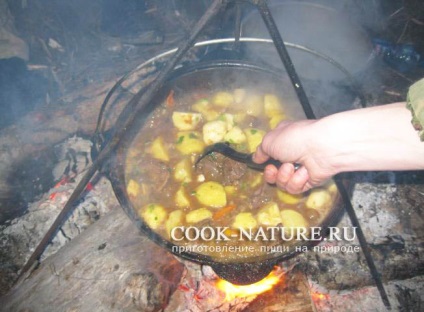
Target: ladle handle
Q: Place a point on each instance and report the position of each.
(225, 149)
(271, 161)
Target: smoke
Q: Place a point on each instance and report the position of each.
(328, 30)
(20, 90)
(84, 30)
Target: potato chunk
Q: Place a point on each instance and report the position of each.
(245, 220)
(183, 171)
(214, 131)
(186, 121)
(275, 120)
(181, 198)
(159, 150)
(318, 199)
(198, 215)
(272, 105)
(230, 190)
(201, 106)
(235, 135)
(239, 95)
(175, 219)
(153, 214)
(254, 105)
(254, 138)
(223, 99)
(290, 199)
(189, 142)
(239, 117)
(331, 187)
(133, 188)
(204, 107)
(293, 219)
(211, 194)
(229, 120)
(270, 215)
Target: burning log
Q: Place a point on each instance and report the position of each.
(201, 290)
(111, 267)
(291, 295)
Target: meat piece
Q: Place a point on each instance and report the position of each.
(233, 171)
(217, 167)
(211, 167)
(155, 173)
(260, 196)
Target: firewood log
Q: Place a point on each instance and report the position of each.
(110, 267)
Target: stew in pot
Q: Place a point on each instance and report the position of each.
(177, 199)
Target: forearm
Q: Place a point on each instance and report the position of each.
(377, 138)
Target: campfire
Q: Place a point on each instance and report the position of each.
(281, 289)
(232, 291)
(77, 246)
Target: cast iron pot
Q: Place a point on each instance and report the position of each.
(217, 75)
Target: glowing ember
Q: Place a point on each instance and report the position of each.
(241, 291)
(317, 296)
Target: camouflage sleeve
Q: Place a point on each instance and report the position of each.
(415, 103)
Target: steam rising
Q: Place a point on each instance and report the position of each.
(326, 29)
(90, 36)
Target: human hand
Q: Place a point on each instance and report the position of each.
(374, 138)
(295, 142)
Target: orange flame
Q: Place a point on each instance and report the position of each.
(241, 291)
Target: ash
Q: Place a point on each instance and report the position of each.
(388, 208)
(19, 238)
(406, 295)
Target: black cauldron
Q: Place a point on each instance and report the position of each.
(217, 75)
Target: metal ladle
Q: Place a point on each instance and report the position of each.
(226, 150)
